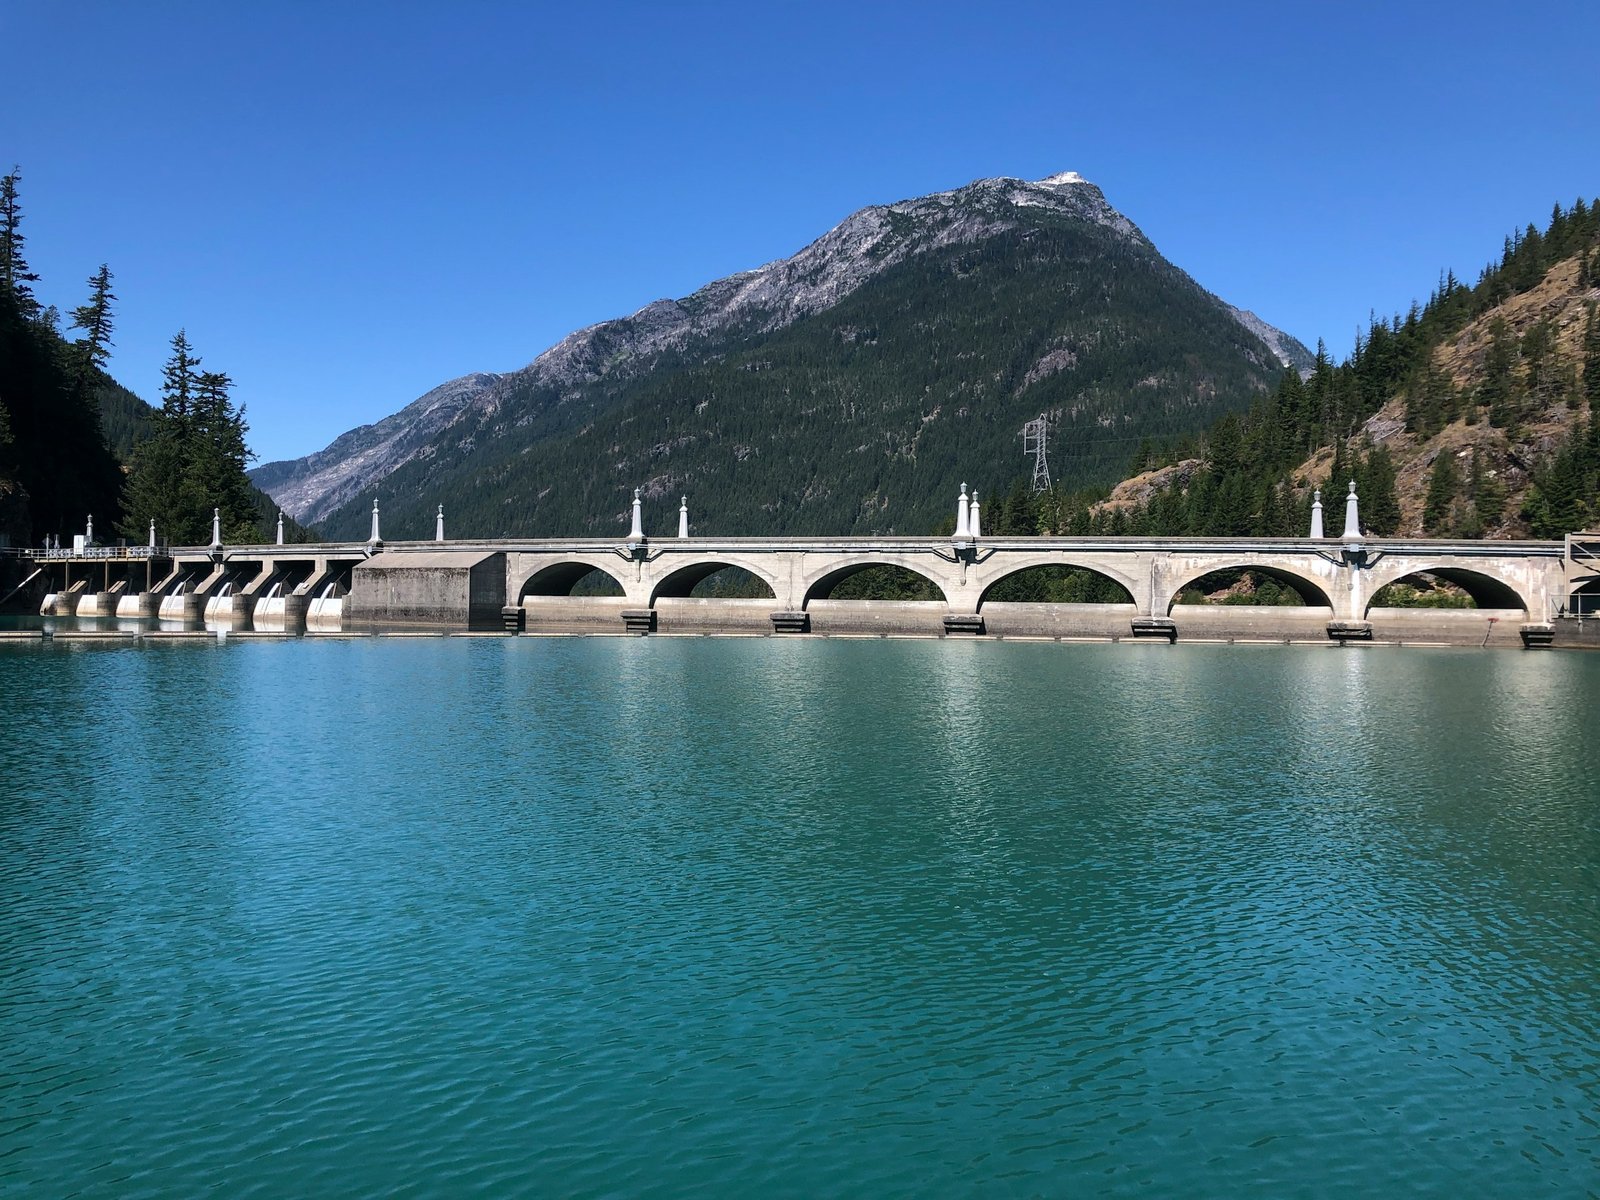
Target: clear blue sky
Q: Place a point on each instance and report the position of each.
(346, 204)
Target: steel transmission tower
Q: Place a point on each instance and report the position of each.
(1034, 436)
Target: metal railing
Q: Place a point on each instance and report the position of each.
(108, 553)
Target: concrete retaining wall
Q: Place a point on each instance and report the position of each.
(878, 616)
(1457, 626)
(1057, 620)
(574, 614)
(694, 615)
(1252, 621)
(462, 588)
(1578, 634)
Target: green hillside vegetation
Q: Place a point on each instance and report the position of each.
(863, 418)
(55, 466)
(75, 442)
(1451, 371)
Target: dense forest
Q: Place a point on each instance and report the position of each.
(1479, 406)
(74, 442)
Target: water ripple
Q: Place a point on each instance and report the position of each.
(610, 917)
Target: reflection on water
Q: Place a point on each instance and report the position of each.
(722, 917)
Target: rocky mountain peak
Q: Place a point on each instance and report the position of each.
(865, 246)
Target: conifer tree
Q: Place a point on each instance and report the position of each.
(14, 274)
(220, 456)
(1380, 501)
(1591, 361)
(1487, 493)
(178, 380)
(1500, 386)
(1443, 483)
(94, 319)
(196, 460)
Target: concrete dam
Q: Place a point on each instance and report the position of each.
(1528, 593)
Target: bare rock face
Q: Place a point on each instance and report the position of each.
(824, 273)
(310, 488)
(1289, 352)
(1136, 492)
(753, 302)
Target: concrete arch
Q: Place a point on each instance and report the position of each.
(557, 578)
(683, 577)
(1487, 590)
(986, 582)
(1313, 590)
(817, 585)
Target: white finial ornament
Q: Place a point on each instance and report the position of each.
(973, 526)
(88, 533)
(374, 537)
(683, 517)
(280, 527)
(1316, 513)
(1352, 516)
(152, 533)
(636, 534)
(963, 518)
(216, 527)
(438, 525)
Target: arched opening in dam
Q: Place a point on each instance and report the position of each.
(571, 597)
(1056, 600)
(1448, 588)
(1250, 601)
(577, 579)
(1585, 600)
(1250, 586)
(714, 597)
(1055, 584)
(715, 581)
(1449, 604)
(875, 581)
(872, 596)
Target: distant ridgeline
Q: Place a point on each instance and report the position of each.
(1472, 416)
(75, 442)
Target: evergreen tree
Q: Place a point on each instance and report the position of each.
(59, 455)
(1375, 484)
(1501, 390)
(1443, 483)
(1486, 492)
(94, 319)
(196, 460)
(178, 381)
(14, 274)
(1591, 361)
(220, 457)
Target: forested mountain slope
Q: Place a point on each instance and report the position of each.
(74, 442)
(1471, 416)
(849, 388)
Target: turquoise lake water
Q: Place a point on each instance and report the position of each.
(731, 918)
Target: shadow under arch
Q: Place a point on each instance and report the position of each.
(1486, 591)
(1311, 591)
(1056, 583)
(559, 579)
(682, 581)
(1585, 599)
(823, 586)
